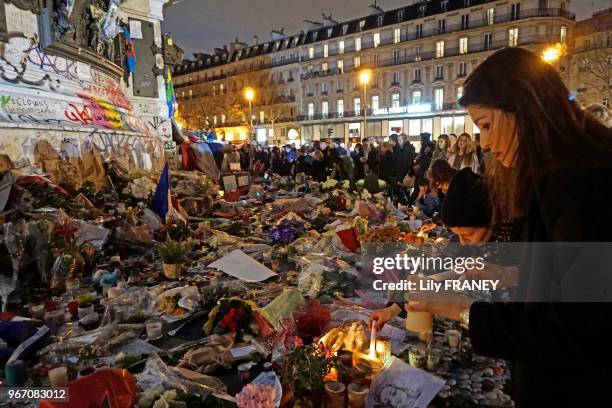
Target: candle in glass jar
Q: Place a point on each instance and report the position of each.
(335, 394)
(154, 329)
(357, 395)
(383, 348)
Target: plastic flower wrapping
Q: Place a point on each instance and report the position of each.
(256, 396)
(142, 188)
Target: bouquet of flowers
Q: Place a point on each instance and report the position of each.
(256, 396)
(337, 201)
(381, 234)
(330, 184)
(286, 231)
(141, 188)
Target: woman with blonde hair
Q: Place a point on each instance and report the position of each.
(464, 154)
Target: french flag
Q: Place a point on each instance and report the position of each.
(162, 202)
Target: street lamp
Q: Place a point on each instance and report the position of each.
(364, 79)
(249, 94)
(553, 53)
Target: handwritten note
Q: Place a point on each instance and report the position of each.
(136, 29)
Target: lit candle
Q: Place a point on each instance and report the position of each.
(373, 342)
(383, 348)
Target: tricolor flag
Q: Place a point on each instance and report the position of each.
(162, 201)
(129, 51)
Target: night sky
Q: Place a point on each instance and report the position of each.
(201, 25)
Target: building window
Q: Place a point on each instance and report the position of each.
(340, 107)
(223, 118)
(396, 78)
(462, 69)
(515, 11)
(488, 41)
(314, 37)
(376, 39)
(220, 89)
(375, 58)
(358, 44)
(459, 92)
(400, 15)
(397, 35)
(439, 49)
(329, 32)
(357, 106)
(262, 116)
(361, 25)
(190, 94)
(439, 72)
(563, 36)
(490, 16)
(395, 100)
(324, 90)
(465, 21)
(340, 47)
(357, 61)
(442, 26)
(439, 98)
(311, 52)
(463, 45)
(375, 102)
(606, 102)
(513, 34)
(467, 3)
(340, 66)
(419, 31)
(416, 75)
(324, 109)
(396, 56)
(310, 110)
(325, 50)
(417, 53)
(344, 29)
(324, 66)
(416, 97)
(214, 90)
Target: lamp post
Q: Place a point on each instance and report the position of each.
(249, 94)
(364, 79)
(553, 53)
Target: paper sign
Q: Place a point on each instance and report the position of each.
(241, 266)
(136, 29)
(229, 183)
(243, 181)
(235, 166)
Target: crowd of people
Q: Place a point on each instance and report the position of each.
(412, 177)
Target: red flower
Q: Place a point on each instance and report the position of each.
(232, 319)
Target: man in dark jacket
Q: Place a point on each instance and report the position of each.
(403, 158)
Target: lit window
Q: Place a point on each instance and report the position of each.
(416, 97)
(459, 92)
(439, 98)
(311, 52)
(375, 102)
(215, 119)
(310, 110)
(221, 89)
(463, 45)
(490, 16)
(358, 44)
(395, 100)
(262, 116)
(190, 94)
(324, 67)
(340, 66)
(324, 109)
(357, 106)
(357, 61)
(376, 39)
(439, 49)
(397, 35)
(223, 118)
(513, 37)
(340, 107)
(340, 47)
(325, 50)
(563, 37)
(361, 25)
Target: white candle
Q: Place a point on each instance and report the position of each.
(373, 342)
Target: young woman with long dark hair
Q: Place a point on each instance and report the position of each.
(554, 167)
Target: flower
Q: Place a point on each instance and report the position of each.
(286, 231)
(256, 396)
(142, 188)
(336, 193)
(365, 194)
(346, 184)
(382, 183)
(329, 184)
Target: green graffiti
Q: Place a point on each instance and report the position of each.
(4, 100)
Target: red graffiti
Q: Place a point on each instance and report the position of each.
(78, 115)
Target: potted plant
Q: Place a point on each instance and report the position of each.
(173, 255)
(307, 367)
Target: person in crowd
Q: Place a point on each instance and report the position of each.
(301, 164)
(441, 174)
(536, 132)
(370, 156)
(245, 160)
(317, 168)
(358, 164)
(393, 140)
(230, 156)
(479, 152)
(426, 142)
(464, 154)
(343, 169)
(452, 141)
(386, 165)
(427, 198)
(276, 161)
(403, 159)
(441, 150)
(337, 146)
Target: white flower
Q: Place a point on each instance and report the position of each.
(365, 194)
(360, 183)
(329, 184)
(142, 188)
(382, 183)
(336, 193)
(346, 184)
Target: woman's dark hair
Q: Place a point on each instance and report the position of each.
(441, 172)
(553, 132)
(446, 140)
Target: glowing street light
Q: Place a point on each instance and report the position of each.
(553, 53)
(249, 95)
(364, 79)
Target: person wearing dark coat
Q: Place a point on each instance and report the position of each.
(556, 159)
(318, 171)
(356, 155)
(386, 165)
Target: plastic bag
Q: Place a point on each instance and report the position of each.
(135, 306)
(288, 302)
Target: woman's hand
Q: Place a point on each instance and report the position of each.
(382, 316)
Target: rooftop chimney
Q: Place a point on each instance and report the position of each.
(328, 21)
(375, 9)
